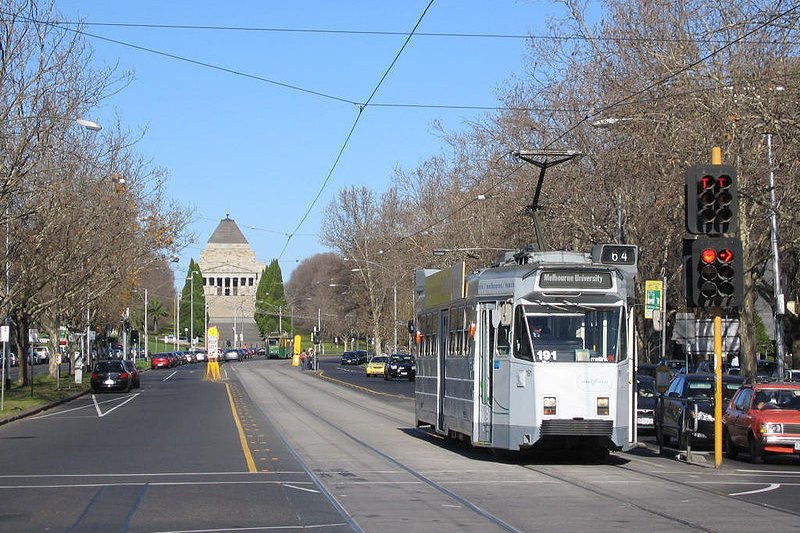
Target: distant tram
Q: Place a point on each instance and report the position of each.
(535, 351)
(278, 346)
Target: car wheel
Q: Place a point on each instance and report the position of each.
(730, 447)
(756, 451)
(128, 386)
(386, 377)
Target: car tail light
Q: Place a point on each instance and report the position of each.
(124, 375)
(602, 406)
(549, 405)
(94, 375)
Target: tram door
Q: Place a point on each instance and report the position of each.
(444, 333)
(484, 348)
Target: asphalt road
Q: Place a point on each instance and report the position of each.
(272, 447)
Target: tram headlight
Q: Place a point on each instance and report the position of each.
(602, 406)
(549, 404)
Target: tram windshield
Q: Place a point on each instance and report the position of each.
(570, 334)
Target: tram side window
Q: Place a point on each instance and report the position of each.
(522, 341)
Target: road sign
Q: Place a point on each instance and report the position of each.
(33, 335)
(653, 290)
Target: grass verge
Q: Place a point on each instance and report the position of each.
(18, 399)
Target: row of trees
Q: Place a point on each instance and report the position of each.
(83, 216)
(673, 78)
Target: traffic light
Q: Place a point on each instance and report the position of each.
(411, 328)
(714, 272)
(316, 338)
(712, 200)
(134, 337)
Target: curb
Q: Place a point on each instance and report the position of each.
(41, 408)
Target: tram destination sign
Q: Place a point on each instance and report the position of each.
(575, 280)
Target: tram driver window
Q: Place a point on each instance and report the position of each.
(522, 341)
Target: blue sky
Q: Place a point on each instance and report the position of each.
(261, 151)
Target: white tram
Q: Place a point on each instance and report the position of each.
(536, 350)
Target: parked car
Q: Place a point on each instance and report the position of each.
(686, 409)
(763, 418)
(788, 375)
(376, 366)
(133, 371)
(232, 354)
(110, 375)
(160, 360)
(400, 365)
(645, 403)
(351, 358)
(200, 356)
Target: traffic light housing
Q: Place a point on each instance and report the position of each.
(134, 337)
(712, 200)
(714, 272)
(316, 337)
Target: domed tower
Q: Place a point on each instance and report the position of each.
(230, 278)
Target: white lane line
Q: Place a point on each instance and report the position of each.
(173, 373)
(772, 486)
(102, 414)
(300, 488)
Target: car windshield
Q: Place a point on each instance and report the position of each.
(786, 399)
(647, 388)
(108, 366)
(378, 359)
(402, 359)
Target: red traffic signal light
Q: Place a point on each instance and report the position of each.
(712, 200)
(714, 272)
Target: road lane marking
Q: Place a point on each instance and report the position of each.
(301, 488)
(248, 457)
(169, 376)
(102, 414)
(772, 486)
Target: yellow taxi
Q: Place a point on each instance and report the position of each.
(377, 365)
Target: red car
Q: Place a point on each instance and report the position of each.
(160, 360)
(763, 418)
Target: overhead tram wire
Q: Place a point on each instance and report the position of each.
(389, 33)
(205, 64)
(610, 107)
(361, 109)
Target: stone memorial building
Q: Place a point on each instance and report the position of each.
(230, 277)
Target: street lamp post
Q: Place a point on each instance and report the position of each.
(394, 298)
(190, 279)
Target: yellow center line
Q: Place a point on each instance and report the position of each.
(251, 465)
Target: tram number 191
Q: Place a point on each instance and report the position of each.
(546, 355)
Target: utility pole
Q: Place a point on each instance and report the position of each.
(780, 306)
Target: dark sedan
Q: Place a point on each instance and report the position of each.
(111, 375)
(686, 409)
(350, 358)
(400, 366)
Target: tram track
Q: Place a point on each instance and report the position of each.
(287, 396)
(644, 503)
